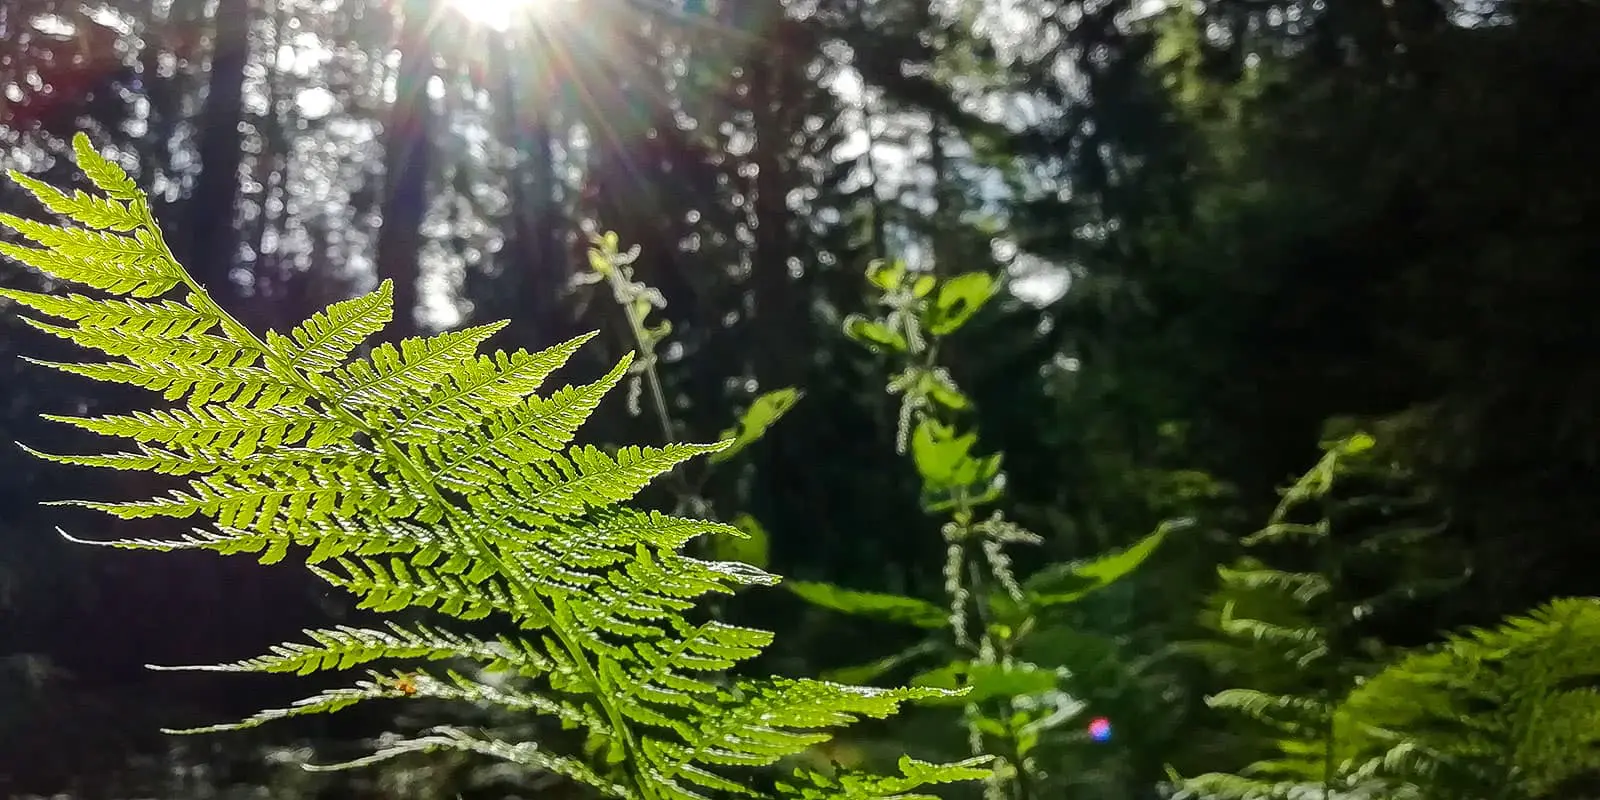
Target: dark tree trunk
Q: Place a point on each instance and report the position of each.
(407, 160)
(214, 237)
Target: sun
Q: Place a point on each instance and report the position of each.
(500, 15)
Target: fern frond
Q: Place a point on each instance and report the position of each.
(329, 539)
(526, 754)
(913, 775)
(324, 341)
(102, 213)
(146, 349)
(308, 491)
(394, 586)
(1290, 714)
(1306, 643)
(483, 386)
(1508, 711)
(582, 479)
(758, 724)
(529, 430)
(1276, 618)
(167, 319)
(415, 367)
(137, 266)
(250, 387)
(324, 702)
(105, 175)
(346, 647)
(212, 428)
(154, 459)
(1304, 587)
(425, 475)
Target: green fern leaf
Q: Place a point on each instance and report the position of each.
(102, 213)
(414, 368)
(213, 428)
(1509, 711)
(141, 261)
(348, 647)
(486, 385)
(533, 429)
(913, 775)
(427, 476)
(1296, 630)
(104, 174)
(523, 753)
(251, 387)
(167, 319)
(324, 341)
(137, 278)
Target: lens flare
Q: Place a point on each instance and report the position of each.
(1100, 729)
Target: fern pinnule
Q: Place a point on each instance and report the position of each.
(426, 475)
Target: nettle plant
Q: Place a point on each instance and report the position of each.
(979, 640)
(429, 477)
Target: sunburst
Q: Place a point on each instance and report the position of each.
(503, 15)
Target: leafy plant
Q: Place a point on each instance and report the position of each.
(426, 476)
(1293, 635)
(980, 635)
(1508, 712)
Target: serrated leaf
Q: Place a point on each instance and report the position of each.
(104, 173)
(886, 275)
(96, 212)
(763, 413)
(751, 548)
(1064, 584)
(429, 479)
(877, 605)
(944, 458)
(985, 682)
(324, 341)
(958, 299)
(873, 334)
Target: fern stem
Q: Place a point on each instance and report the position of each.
(512, 571)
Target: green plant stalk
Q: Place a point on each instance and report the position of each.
(689, 495)
(1000, 652)
(641, 338)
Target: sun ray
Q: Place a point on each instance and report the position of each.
(501, 15)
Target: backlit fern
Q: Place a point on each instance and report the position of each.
(428, 476)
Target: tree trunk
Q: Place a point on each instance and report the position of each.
(214, 237)
(407, 160)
